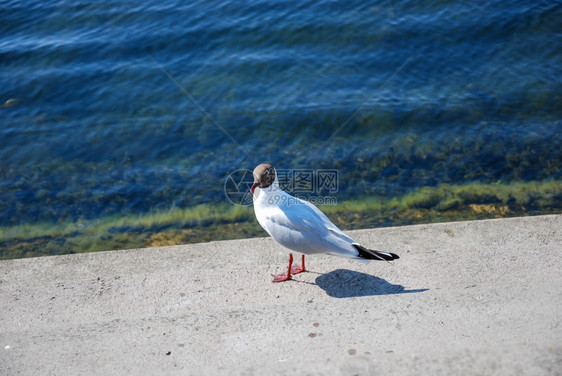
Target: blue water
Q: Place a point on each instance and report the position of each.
(117, 107)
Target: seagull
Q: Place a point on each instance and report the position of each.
(300, 226)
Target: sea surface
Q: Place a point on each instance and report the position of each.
(121, 121)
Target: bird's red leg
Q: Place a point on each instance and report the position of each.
(296, 269)
(284, 277)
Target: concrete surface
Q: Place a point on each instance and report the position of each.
(468, 298)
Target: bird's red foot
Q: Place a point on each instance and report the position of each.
(296, 269)
(286, 277)
(281, 277)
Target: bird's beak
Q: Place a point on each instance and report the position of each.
(254, 187)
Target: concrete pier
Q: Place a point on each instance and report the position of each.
(470, 298)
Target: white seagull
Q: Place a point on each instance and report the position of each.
(300, 226)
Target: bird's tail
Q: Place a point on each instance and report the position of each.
(370, 254)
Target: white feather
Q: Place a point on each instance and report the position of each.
(298, 225)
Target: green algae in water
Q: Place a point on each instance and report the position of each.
(219, 222)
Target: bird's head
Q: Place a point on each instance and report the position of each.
(264, 176)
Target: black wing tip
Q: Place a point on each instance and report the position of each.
(370, 254)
